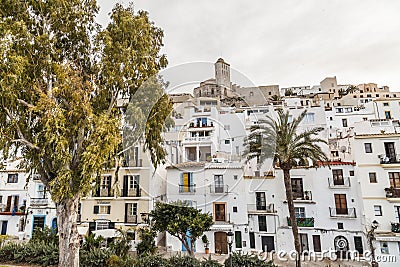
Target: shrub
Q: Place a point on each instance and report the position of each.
(96, 257)
(150, 261)
(183, 261)
(147, 245)
(44, 235)
(247, 260)
(8, 250)
(210, 262)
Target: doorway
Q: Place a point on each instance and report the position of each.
(267, 243)
(221, 243)
(341, 247)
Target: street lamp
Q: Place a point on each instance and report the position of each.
(371, 238)
(230, 242)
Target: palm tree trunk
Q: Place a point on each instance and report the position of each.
(295, 229)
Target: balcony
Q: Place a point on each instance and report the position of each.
(302, 222)
(218, 189)
(302, 197)
(39, 202)
(131, 192)
(131, 219)
(392, 192)
(105, 192)
(390, 159)
(260, 208)
(187, 189)
(133, 163)
(343, 212)
(197, 139)
(339, 183)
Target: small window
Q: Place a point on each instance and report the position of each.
(368, 147)
(344, 122)
(351, 173)
(384, 248)
(12, 178)
(227, 141)
(234, 209)
(235, 177)
(378, 210)
(331, 118)
(372, 177)
(300, 212)
(388, 115)
(386, 104)
(340, 225)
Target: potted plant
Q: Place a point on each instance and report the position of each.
(204, 238)
(389, 191)
(307, 195)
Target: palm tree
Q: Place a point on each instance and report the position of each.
(278, 139)
(275, 99)
(351, 89)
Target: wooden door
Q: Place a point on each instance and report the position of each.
(221, 243)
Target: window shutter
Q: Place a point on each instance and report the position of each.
(125, 186)
(108, 209)
(96, 209)
(92, 227)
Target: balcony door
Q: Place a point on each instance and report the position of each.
(341, 204)
(390, 151)
(219, 183)
(186, 182)
(338, 177)
(220, 210)
(297, 188)
(261, 202)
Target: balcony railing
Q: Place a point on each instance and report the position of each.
(187, 189)
(218, 189)
(395, 227)
(305, 195)
(133, 163)
(339, 183)
(389, 159)
(392, 192)
(343, 212)
(261, 208)
(302, 222)
(197, 139)
(39, 202)
(105, 192)
(131, 219)
(134, 192)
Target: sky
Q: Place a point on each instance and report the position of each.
(287, 42)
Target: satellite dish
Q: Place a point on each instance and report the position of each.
(343, 149)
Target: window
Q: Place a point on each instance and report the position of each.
(261, 203)
(12, 178)
(338, 177)
(300, 212)
(340, 225)
(386, 104)
(219, 212)
(394, 178)
(227, 141)
(234, 209)
(308, 118)
(377, 210)
(317, 243)
(252, 240)
(251, 94)
(235, 177)
(218, 183)
(368, 147)
(331, 118)
(297, 188)
(341, 204)
(372, 177)
(351, 173)
(384, 248)
(262, 223)
(130, 212)
(388, 115)
(186, 185)
(102, 225)
(339, 110)
(102, 209)
(344, 122)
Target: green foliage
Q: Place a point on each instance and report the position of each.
(45, 234)
(183, 261)
(96, 257)
(147, 245)
(151, 261)
(91, 242)
(208, 262)
(247, 260)
(3, 239)
(178, 219)
(40, 253)
(120, 245)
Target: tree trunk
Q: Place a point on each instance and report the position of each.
(295, 229)
(67, 212)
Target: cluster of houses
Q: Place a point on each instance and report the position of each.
(336, 204)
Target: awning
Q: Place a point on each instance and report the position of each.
(106, 233)
(83, 230)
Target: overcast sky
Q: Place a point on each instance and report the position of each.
(289, 43)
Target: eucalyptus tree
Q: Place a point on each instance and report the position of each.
(60, 79)
(281, 140)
